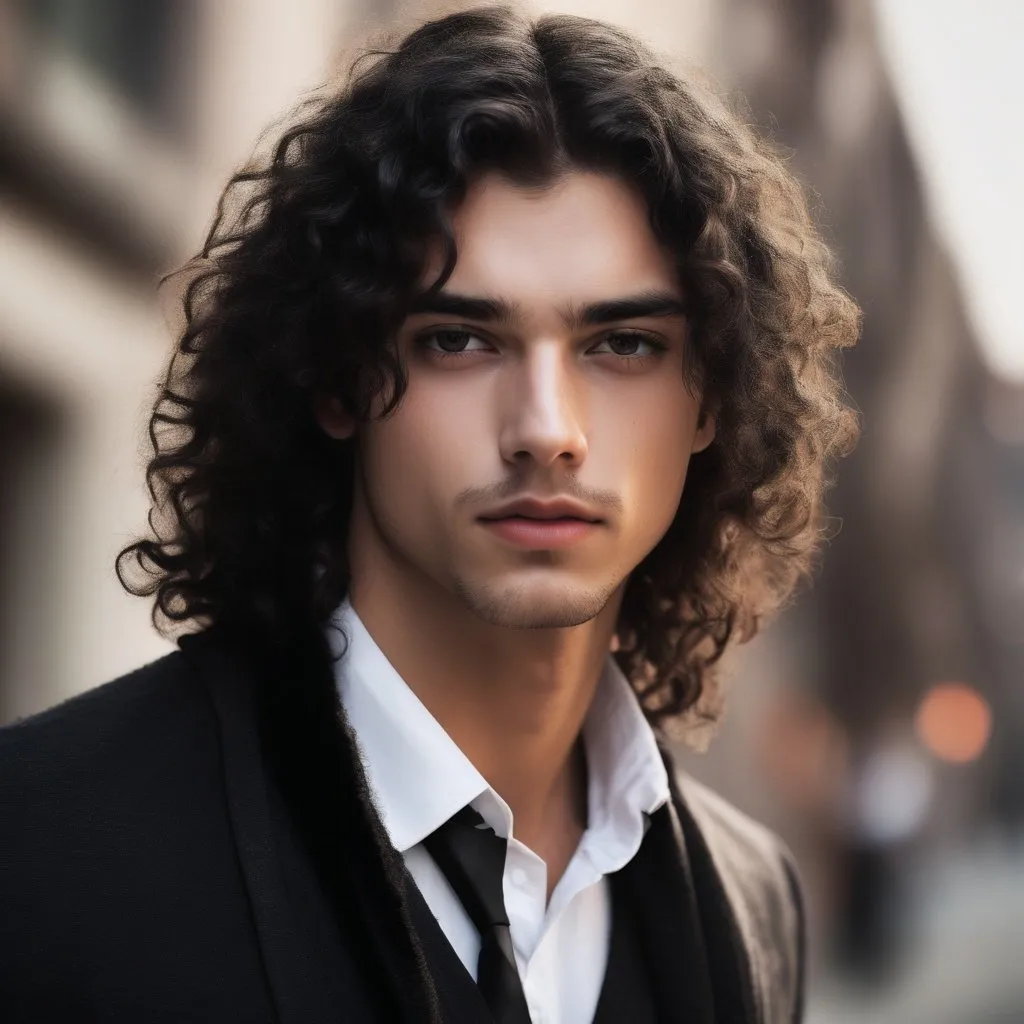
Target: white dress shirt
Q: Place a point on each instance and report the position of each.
(419, 778)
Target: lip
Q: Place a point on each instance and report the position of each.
(538, 510)
(541, 534)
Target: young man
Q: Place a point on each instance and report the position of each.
(504, 404)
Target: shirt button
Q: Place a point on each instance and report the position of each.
(518, 877)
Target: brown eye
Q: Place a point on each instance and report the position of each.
(450, 341)
(447, 341)
(627, 344)
(624, 344)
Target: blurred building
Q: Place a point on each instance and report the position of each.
(119, 124)
(922, 583)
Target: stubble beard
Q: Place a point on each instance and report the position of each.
(520, 607)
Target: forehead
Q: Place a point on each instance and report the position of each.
(586, 236)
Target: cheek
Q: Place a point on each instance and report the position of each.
(652, 448)
(420, 455)
(653, 426)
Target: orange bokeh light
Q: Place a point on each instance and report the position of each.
(954, 722)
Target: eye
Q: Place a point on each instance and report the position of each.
(449, 341)
(627, 343)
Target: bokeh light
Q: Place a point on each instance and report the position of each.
(954, 722)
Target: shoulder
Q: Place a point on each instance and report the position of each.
(761, 882)
(732, 836)
(105, 791)
(98, 723)
(99, 751)
(120, 879)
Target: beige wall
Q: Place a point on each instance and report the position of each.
(89, 339)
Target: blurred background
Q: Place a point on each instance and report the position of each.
(879, 724)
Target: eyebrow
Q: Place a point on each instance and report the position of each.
(651, 303)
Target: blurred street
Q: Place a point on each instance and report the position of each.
(966, 962)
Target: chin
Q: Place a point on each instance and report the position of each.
(534, 606)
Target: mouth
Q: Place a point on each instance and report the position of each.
(538, 510)
(537, 519)
(541, 534)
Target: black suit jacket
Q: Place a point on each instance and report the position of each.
(195, 842)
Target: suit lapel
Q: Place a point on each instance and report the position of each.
(292, 981)
(325, 888)
(729, 962)
(659, 886)
(739, 995)
(750, 872)
(460, 997)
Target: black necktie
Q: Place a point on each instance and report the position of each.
(472, 857)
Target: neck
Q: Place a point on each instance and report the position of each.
(513, 700)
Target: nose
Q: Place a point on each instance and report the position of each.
(543, 409)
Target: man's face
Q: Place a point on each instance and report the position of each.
(553, 399)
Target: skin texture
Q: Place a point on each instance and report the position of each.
(505, 645)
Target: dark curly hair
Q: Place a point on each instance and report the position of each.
(316, 254)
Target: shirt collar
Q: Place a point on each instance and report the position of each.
(420, 777)
(627, 780)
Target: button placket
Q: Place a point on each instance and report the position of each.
(524, 899)
(533, 1001)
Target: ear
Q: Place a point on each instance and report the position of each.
(335, 421)
(705, 431)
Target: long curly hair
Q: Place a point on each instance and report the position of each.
(317, 251)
